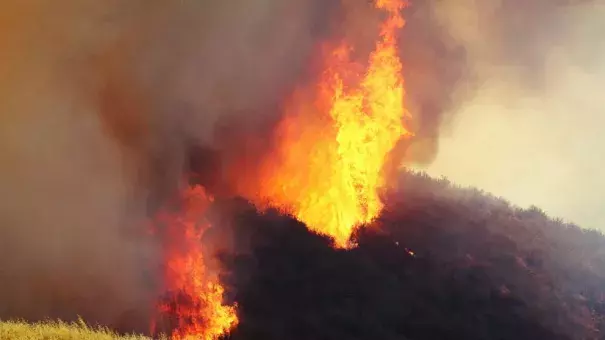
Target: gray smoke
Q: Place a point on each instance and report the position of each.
(101, 103)
(525, 122)
(98, 102)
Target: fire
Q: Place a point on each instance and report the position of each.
(197, 301)
(328, 171)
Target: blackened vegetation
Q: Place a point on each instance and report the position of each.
(441, 263)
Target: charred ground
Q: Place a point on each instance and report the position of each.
(441, 263)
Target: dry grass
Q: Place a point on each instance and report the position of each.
(57, 330)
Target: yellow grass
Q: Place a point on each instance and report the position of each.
(57, 330)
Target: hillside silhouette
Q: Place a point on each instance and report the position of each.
(442, 262)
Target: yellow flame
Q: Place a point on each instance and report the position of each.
(329, 168)
(203, 316)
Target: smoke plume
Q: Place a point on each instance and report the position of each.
(100, 103)
(104, 106)
(524, 120)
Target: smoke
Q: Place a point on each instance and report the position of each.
(68, 198)
(434, 66)
(104, 105)
(525, 115)
(100, 103)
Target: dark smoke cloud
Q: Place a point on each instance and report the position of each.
(67, 186)
(99, 103)
(434, 65)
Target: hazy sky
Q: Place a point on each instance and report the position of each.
(544, 147)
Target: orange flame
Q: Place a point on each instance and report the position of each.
(198, 306)
(329, 166)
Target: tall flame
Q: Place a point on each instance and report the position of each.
(196, 303)
(329, 166)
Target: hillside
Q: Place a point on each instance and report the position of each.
(441, 263)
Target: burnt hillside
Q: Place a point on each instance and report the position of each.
(441, 263)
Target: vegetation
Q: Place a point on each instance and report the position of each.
(441, 263)
(56, 330)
